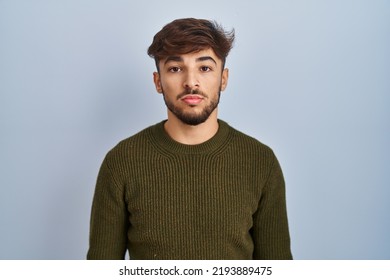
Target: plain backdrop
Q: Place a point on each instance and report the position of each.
(308, 78)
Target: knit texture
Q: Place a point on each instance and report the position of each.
(159, 199)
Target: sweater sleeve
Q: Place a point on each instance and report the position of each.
(109, 218)
(270, 231)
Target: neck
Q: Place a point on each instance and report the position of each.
(191, 134)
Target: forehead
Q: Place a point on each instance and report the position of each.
(198, 56)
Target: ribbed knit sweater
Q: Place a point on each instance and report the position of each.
(160, 199)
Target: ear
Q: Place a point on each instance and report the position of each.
(225, 78)
(157, 82)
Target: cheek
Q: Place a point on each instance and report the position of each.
(170, 84)
(217, 85)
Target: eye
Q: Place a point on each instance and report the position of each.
(174, 69)
(205, 69)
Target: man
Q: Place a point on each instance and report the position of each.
(190, 187)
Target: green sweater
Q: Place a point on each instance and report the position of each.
(159, 199)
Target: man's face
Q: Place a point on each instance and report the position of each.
(191, 85)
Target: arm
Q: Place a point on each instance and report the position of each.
(109, 218)
(270, 231)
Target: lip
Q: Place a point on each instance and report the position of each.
(192, 99)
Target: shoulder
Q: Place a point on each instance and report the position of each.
(132, 146)
(254, 154)
(249, 144)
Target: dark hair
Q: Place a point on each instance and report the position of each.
(188, 35)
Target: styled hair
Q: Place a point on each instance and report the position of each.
(189, 35)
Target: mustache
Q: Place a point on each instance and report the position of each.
(189, 91)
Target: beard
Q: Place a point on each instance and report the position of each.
(191, 118)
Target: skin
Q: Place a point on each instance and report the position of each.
(176, 80)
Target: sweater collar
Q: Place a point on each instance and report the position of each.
(166, 144)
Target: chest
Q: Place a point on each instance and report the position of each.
(195, 193)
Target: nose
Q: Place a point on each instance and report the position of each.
(191, 80)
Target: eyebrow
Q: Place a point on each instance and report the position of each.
(205, 58)
(180, 59)
(173, 58)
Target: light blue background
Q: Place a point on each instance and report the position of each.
(308, 78)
